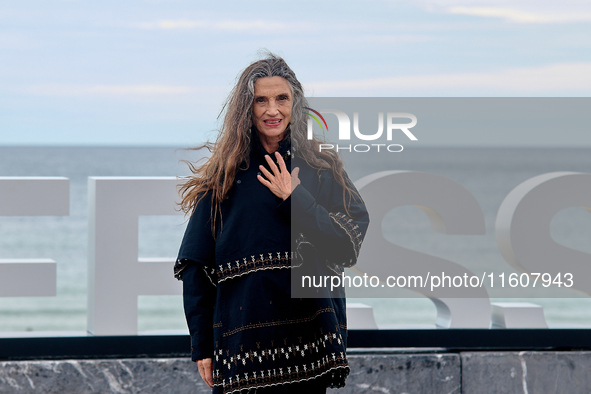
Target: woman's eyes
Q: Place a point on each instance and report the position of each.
(264, 99)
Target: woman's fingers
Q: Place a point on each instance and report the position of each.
(201, 370)
(281, 162)
(295, 180)
(208, 365)
(280, 182)
(206, 370)
(272, 165)
(265, 172)
(264, 181)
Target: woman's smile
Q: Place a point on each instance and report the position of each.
(271, 110)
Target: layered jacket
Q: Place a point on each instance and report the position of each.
(237, 285)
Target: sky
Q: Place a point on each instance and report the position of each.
(156, 72)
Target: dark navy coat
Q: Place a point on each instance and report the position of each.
(237, 286)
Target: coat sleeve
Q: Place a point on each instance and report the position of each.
(199, 302)
(195, 267)
(322, 221)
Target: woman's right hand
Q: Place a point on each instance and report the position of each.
(205, 370)
(281, 182)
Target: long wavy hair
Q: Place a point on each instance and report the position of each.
(232, 146)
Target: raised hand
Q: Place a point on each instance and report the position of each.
(281, 183)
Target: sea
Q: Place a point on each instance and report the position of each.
(489, 174)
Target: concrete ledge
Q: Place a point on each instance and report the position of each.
(403, 373)
(417, 373)
(526, 372)
(101, 376)
(463, 372)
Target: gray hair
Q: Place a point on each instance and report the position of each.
(240, 101)
(232, 146)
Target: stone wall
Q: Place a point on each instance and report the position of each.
(526, 372)
(385, 372)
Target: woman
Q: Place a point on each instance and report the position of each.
(238, 253)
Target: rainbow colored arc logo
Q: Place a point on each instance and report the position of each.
(316, 119)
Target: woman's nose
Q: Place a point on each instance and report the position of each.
(272, 109)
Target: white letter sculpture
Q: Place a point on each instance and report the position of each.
(45, 196)
(451, 209)
(116, 276)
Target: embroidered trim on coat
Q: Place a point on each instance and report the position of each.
(181, 264)
(337, 379)
(246, 265)
(179, 267)
(307, 361)
(352, 230)
(279, 322)
(298, 258)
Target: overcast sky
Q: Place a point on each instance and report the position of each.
(140, 72)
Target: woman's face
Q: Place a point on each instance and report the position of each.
(271, 110)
